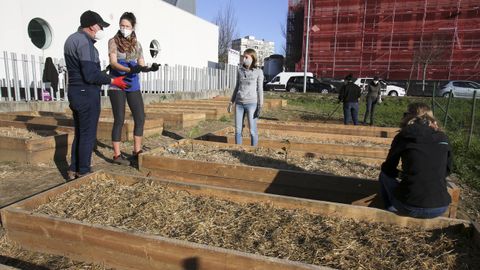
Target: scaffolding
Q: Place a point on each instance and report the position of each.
(392, 38)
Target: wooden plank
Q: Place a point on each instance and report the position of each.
(330, 128)
(279, 102)
(268, 104)
(170, 119)
(209, 114)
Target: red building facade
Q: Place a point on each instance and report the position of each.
(394, 39)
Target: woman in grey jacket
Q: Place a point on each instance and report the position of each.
(248, 96)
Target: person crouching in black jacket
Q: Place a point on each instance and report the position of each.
(421, 190)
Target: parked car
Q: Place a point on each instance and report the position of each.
(459, 89)
(387, 89)
(295, 84)
(279, 82)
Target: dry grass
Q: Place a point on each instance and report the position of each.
(22, 133)
(15, 256)
(272, 158)
(263, 229)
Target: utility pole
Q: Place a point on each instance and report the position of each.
(306, 49)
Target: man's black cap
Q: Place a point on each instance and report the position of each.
(90, 18)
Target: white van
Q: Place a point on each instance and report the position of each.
(279, 82)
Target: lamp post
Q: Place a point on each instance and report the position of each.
(306, 49)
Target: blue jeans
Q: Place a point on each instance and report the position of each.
(350, 109)
(388, 185)
(371, 102)
(252, 122)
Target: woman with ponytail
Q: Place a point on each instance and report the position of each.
(126, 59)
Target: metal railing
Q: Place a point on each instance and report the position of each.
(21, 78)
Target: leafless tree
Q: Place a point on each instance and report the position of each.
(431, 52)
(283, 29)
(226, 20)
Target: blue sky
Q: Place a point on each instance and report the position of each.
(259, 18)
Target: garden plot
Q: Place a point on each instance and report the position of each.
(112, 219)
(33, 143)
(210, 113)
(104, 131)
(370, 131)
(307, 141)
(268, 104)
(292, 173)
(277, 103)
(170, 119)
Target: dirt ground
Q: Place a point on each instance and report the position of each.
(18, 181)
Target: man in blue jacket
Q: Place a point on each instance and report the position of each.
(84, 84)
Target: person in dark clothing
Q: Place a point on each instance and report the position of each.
(84, 81)
(50, 75)
(373, 97)
(426, 155)
(350, 94)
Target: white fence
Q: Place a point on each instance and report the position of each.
(21, 78)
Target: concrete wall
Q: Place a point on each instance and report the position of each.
(184, 38)
(61, 106)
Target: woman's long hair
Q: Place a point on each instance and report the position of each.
(419, 113)
(252, 54)
(127, 44)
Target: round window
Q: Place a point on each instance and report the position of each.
(154, 48)
(40, 33)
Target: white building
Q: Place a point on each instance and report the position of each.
(233, 57)
(159, 25)
(264, 48)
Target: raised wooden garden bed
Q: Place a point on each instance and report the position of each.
(295, 173)
(170, 119)
(210, 114)
(268, 104)
(383, 132)
(112, 219)
(291, 139)
(33, 143)
(276, 102)
(313, 137)
(104, 131)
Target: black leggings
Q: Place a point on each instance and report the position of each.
(135, 103)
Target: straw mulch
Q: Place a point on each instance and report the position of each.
(24, 133)
(272, 158)
(262, 229)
